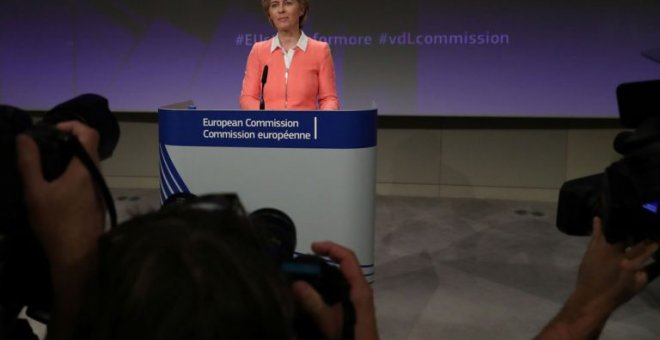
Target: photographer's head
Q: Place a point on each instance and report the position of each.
(190, 273)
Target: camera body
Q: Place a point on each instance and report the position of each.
(24, 274)
(626, 195)
(280, 234)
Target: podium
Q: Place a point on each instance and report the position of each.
(316, 166)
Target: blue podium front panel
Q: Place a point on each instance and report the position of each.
(318, 167)
(269, 129)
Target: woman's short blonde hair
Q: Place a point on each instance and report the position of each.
(304, 5)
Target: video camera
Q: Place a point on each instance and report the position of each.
(627, 195)
(24, 273)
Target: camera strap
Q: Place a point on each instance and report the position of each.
(87, 161)
(348, 327)
(652, 271)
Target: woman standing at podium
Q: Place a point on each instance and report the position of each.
(296, 71)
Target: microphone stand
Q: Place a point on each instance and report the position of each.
(264, 77)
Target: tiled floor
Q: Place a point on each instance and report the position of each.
(470, 269)
(482, 269)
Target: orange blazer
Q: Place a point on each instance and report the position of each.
(311, 83)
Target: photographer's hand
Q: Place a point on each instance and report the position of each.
(67, 217)
(609, 276)
(66, 214)
(329, 319)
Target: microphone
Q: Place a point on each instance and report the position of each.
(264, 77)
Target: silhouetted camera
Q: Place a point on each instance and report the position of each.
(627, 194)
(280, 233)
(24, 274)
